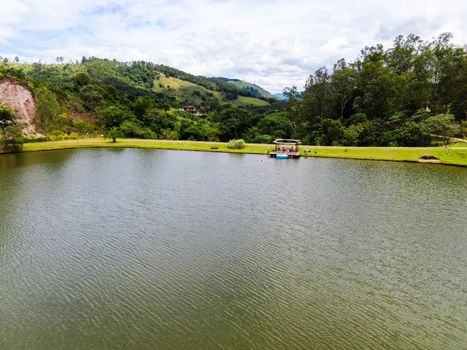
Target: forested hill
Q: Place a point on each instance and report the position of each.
(397, 96)
(142, 99)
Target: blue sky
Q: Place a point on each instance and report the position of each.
(273, 43)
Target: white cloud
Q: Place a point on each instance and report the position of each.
(274, 43)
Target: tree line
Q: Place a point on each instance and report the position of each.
(384, 97)
(400, 96)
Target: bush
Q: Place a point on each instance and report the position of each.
(410, 134)
(332, 131)
(236, 144)
(351, 135)
(12, 138)
(168, 134)
(6, 113)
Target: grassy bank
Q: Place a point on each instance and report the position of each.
(456, 156)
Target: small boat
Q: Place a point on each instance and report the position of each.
(285, 149)
(282, 156)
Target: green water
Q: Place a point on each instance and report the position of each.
(144, 249)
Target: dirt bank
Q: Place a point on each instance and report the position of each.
(21, 100)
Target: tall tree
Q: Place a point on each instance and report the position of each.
(449, 76)
(374, 84)
(47, 108)
(343, 82)
(319, 84)
(409, 62)
(295, 109)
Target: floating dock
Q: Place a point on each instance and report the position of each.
(284, 155)
(285, 149)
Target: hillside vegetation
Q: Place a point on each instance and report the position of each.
(141, 99)
(411, 94)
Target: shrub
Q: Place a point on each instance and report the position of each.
(410, 134)
(73, 136)
(168, 134)
(12, 138)
(6, 113)
(236, 144)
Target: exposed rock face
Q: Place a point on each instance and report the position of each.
(21, 100)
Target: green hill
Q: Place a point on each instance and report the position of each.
(252, 89)
(191, 93)
(141, 99)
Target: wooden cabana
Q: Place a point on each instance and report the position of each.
(286, 148)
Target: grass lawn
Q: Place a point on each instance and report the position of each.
(456, 155)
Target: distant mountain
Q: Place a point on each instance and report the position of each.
(280, 96)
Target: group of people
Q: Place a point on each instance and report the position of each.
(286, 149)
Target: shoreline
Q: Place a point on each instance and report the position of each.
(457, 155)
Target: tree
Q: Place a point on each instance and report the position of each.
(351, 135)
(16, 59)
(47, 109)
(113, 133)
(81, 79)
(409, 61)
(319, 84)
(113, 116)
(157, 119)
(91, 96)
(374, 84)
(295, 107)
(343, 84)
(441, 125)
(367, 133)
(11, 136)
(234, 121)
(449, 66)
(276, 124)
(142, 104)
(464, 128)
(331, 131)
(410, 134)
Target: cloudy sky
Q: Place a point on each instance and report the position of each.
(274, 43)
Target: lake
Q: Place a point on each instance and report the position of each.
(147, 249)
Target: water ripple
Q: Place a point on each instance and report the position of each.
(174, 250)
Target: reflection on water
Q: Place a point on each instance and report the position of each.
(179, 250)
